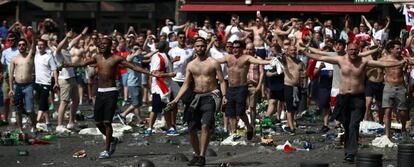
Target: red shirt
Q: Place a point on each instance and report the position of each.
(221, 34)
(192, 32)
(124, 54)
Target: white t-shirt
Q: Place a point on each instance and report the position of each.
(8, 55)
(234, 33)
(378, 35)
(180, 66)
(216, 54)
(173, 44)
(166, 30)
(155, 65)
(204, 32)
(44, 65)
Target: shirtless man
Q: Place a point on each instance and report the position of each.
(237, 67)
(293, 70)
(350, 101)
(107, 94)
(21, 70)
(78, 54)
(258, 29)
(394, 95)
(374, 89)
(207, 100)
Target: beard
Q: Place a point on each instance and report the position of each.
(200, 53)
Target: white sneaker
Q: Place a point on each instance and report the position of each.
(70, 126)
(42, 127)
(104, 155)
(62, 129)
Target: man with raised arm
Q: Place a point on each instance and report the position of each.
(350, 101)
(67, 81)
(107, 94)
(21, 78)
(257, 29)
(206, 101)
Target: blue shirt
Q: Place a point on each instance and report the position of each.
(4, 30)
(134, 78)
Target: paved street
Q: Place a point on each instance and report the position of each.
(160, 148)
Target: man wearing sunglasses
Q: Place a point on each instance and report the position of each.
(21, 78)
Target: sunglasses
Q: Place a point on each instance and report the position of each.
(21, 44)
(236, 47)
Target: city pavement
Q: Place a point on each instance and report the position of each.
(160, 148)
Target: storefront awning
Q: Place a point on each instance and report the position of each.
(325, 8)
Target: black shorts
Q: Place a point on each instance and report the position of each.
(374, 90)
(157, 104)
(347, 103)
(324, 97)
(203, 114)
(236, 101)
(289, 93)
(43, 95)
(188, 95)
(261, 52)
(277, 95)
(105, 106)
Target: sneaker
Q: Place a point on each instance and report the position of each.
(113, 145)
(201, 161)
(122, 119)
(289, 131)
(104, 155)
(70, 126)
(92, 116)
(324, 129)
(193, 161)
(172, 132)
(350, 158)
(62, 129)
(148, 133)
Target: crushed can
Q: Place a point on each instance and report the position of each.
(307, 144)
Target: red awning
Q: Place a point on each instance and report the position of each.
(325, 8)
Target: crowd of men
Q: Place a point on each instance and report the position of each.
(224, 67)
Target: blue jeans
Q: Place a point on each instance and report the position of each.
(23, 95)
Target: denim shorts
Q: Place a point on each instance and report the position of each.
(136, 95)
(23, 97)
(124, 79)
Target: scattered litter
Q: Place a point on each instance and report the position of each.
(370, 128)
(79, 154)
(383, 142)
(266, 141)
(38, 142)
(47, 164)
(22, 153)
(233, 141)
